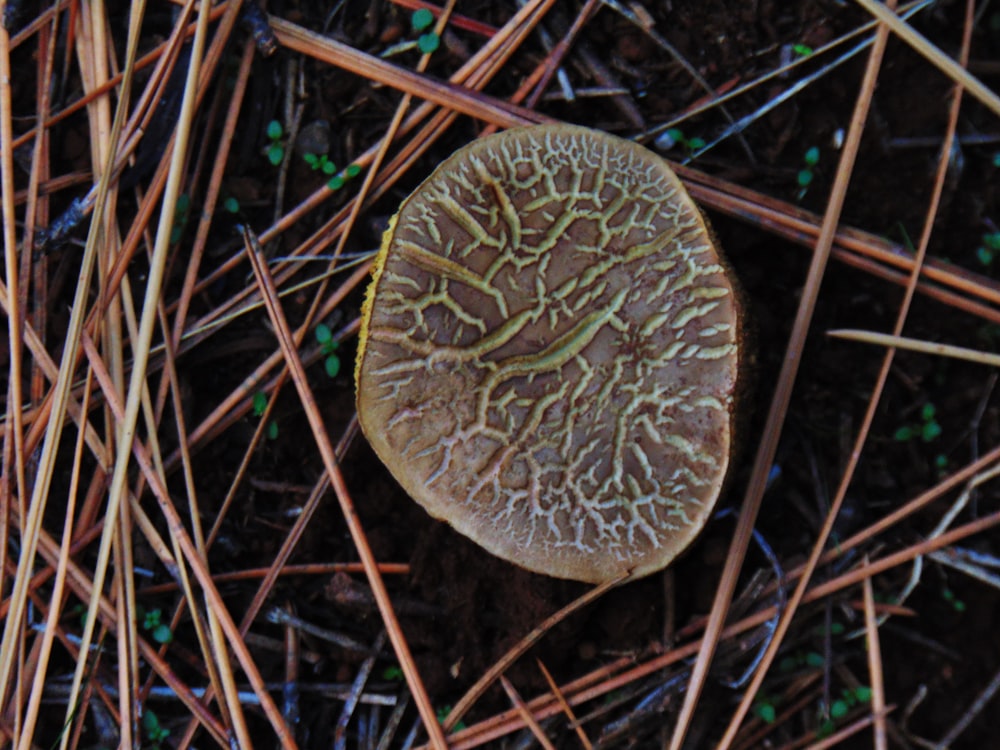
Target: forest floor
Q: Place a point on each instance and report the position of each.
(895, 637)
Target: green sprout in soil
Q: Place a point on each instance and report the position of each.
(802, 50)
(328, 345)
(850, 697)
(158, 630)
(337, 181)
(691, 145)
(949, 596)
(927, 429)
(259, 403)
(231, 205)
(421, 20)
(275, 152)
(990, 247)
(321, 163)
(259, 406)
(809, 659)
(154, 731)
(805, 175)
(764, 709)
(392, 674)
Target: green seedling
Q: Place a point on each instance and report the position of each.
(320, 163)
(957, 604)
(328, 345)
(764, 709)
(927, 429)
(272, 430)
(231, 205)
(337, 181)
(802, 50)
(987, 251)
(392, 674)
(427, 41)
(996, 159)
(276, 151)
(421, 20)
(849, 698)
(805, 176)
(259, 403)
(158, 630)
(691, 145)
(155, 732)
(800, 660)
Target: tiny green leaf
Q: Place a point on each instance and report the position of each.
(766, 712)
(992, 240)
(428, 43)
(805, 177)
(329, 167)
(332, 365)
(814, 659)
(696, 143)
(336, 182)
(231, 205)
(259, 403)
(930, 431)
(927, 412)
(162, 634)
(996, 159)
(802, 50)
(353, 170)
(903, 434)
(863, 693)
(677, 135)
(311, 159)
(272, 430)
(984, 256)
(275, 154)
(392, 673)
(839, 709)
(274, 130)
(811, 156)
(323, 333)
(421, 19)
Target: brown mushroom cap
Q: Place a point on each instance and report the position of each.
(549, 353)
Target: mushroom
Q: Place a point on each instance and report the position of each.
(549, 353)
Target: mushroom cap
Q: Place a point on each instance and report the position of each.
(549, 353)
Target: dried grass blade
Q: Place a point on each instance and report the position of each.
(875, 665)
(917, 345)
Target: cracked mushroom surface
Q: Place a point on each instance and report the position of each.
(549, 353)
